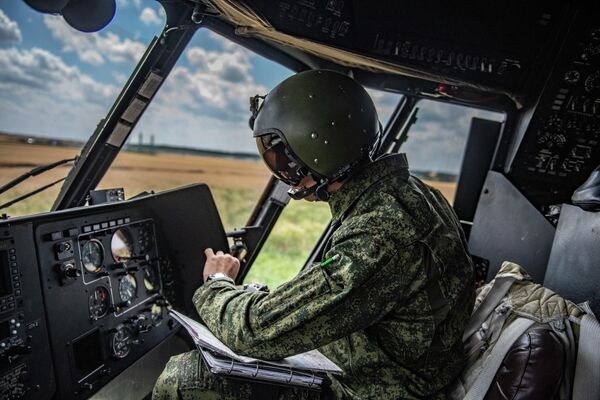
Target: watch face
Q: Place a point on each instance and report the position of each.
(217, 275)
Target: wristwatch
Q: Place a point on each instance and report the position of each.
(217, 276)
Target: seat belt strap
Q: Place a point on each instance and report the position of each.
(491, 301)
(586, 384)
(518, 327)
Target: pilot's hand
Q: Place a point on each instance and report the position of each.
(220, 262)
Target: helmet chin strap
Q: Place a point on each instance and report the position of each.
(298, 194)
(320, 190)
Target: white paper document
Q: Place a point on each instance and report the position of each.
(306, 369)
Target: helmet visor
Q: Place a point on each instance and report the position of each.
(280, 161)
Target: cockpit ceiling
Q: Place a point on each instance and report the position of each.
(493, 48)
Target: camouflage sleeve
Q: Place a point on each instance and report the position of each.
(320, 305)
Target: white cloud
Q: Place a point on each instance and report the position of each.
(206, 102)
(222, 80)
(9, 30)
(437, 140)
(120, 78)
(126, 3)
(38, 68)
(385, 102)
(150, 17)
(203, 103)
(40, 94)
(94, 48)
(225, 43)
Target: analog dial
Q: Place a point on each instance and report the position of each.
(592, 82)
(127, 287)
(121, 342)
(121, 245)
(92, 256)
(99, 302)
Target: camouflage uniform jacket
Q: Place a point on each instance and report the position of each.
(390, 311)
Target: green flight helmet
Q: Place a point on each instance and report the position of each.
(317, 122)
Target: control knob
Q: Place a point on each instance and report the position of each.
(68, 272)
(572, 76)
(141, 323)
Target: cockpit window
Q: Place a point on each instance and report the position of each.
(56, 84)
(436, 142)
(196, 129)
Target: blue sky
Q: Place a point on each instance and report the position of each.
(58, 82)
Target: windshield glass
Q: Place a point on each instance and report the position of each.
(56, 84)
(436, 142)
(196, 129)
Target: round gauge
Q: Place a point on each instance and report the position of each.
(150, 279)
(121, 245)
(99, 302)
(92, 256)
(592, 82)
(120, 342)
(127, 287)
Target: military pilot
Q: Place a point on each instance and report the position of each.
(391, 306)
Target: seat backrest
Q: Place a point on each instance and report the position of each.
(574, 265)
(520, 341)
(508, 227)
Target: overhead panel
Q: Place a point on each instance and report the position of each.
(487, 45)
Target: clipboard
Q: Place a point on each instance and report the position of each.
(306, 370)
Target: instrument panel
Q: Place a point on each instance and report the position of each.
(106, 277)
(497, 44)
(560, 144)
(103, 291)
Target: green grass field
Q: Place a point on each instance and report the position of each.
(293, 237)
(235, 184)
(298, 229)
